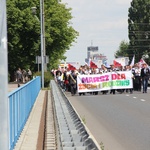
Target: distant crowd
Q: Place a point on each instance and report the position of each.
(23, 76)
(67, 79)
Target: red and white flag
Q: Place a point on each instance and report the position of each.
(141, 62)
(71, 67)
(93, 65)
(116, 64)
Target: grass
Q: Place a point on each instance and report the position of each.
(83, 119)
(102, 146)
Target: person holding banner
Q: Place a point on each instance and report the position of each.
(145, 74)
(73, 82)
(129, 68)
(81, 72)
(112, 69)
(104, 70)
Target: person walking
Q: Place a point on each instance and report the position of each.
(112, 69)
(137, 75)
(29, 74)
(145, 74)
(73, 82)
(19, 76)
(104, 70)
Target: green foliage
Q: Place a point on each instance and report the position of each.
(83, 119)
(47, 77)
(102, 146)
(123, 50)
(139, 27)
(24, 33)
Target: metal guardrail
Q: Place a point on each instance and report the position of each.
(72, 132)
(21, 102)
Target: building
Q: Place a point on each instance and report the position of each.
(93, 54)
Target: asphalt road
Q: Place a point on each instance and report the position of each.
(119, 122)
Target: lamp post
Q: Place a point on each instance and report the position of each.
(42, 36)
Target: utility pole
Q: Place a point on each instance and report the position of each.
(42, 38)
(4, 104)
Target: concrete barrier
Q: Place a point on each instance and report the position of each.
(72, 132)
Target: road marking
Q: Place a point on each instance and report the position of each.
(143, 100)
(134, 97)
(127, 95)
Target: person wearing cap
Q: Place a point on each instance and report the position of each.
(145, 74)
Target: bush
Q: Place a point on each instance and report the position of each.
(47, 77)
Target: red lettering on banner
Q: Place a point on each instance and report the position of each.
(123, 76)
(118, 76)
(114, 76)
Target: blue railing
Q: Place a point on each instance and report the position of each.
(21, 102)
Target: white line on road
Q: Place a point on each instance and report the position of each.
(143, 100)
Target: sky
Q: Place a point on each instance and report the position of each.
(101, 23)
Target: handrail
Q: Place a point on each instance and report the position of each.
(21, 102)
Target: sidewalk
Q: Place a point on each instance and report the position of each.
(29, 137)
(12, 86)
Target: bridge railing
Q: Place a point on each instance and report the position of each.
(21, 102)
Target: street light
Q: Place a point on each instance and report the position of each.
(42, 35)
(42, 38)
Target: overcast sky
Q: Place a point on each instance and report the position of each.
(101, 23)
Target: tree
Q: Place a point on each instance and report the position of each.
(24, 33)
(139, 28)
(123, 50)
(61, 33)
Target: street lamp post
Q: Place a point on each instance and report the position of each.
(42, 39)
(42, 36)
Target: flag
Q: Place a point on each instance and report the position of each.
(93, 65)
(98, 63)
(71, 67)
(141, 62)
(86, 63)
(74, 64)
(132, 62)
(116, 64)
(122, 60)
(89, 62)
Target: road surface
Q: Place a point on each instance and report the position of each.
(119, 122)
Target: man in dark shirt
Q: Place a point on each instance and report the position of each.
(145, 74)
(72, 81)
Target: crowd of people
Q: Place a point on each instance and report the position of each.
(23, 76)
(67, 79)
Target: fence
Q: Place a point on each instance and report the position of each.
(21, 102)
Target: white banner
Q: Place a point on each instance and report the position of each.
(106, 81)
